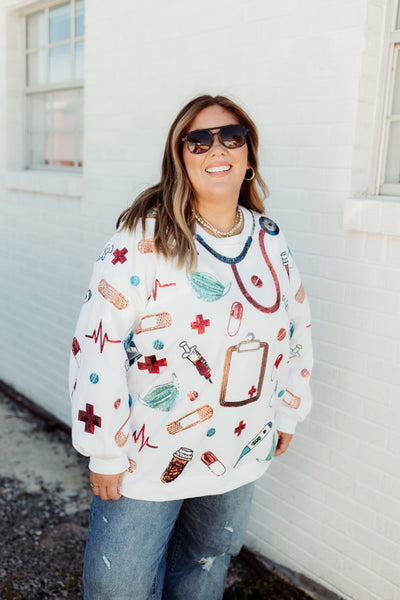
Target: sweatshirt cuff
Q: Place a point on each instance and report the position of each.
(111, 466)
(285, 423)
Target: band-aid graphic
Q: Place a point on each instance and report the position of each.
(112, 295)
(146, 246)
(243, 374)
(213, 463)
(289, 398)
(191, 419)
(300, 295)
(235, 318)
(120, 437)
(155, 321)
(179, 460)
(76, 351)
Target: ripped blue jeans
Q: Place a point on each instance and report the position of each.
(173, 550)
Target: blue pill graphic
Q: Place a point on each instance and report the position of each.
(130, 401)
(158, 345)
(94, 378)
(135, 280)
(210, 432)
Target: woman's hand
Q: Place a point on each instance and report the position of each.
(284, 440)
(106, 486)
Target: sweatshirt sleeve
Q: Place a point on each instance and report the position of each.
(117, 295)
(294, 403)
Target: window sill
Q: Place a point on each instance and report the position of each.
(378, 214)
(54, 184)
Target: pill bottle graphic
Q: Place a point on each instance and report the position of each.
(178, 462)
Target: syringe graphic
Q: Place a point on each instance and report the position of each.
(256, 440)
(192, 354)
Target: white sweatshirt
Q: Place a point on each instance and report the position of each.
(181, 380)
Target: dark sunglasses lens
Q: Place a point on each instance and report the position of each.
(199, 141)
(233, 136)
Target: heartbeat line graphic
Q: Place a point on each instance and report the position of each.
(157, 285)
(98, 335)
(144, 442)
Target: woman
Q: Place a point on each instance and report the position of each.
(190, 365)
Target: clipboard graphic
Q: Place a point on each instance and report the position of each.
(243, 373)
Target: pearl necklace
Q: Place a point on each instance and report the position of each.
(207, 225)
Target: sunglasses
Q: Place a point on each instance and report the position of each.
(230, 136)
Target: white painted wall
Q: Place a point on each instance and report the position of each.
(310, 73)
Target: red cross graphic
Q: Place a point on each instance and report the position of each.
(200, 324)
(252, 391)
(240, 428)
(89, 418)
(152, 364)
(119, 256)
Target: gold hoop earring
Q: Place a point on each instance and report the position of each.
(253, 175)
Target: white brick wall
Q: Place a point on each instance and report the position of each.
(310, 74)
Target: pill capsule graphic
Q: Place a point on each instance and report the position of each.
(276, 365)
(212, 462)
(235, 318)
(281, 334)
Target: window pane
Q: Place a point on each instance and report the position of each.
(36, 68)
(60, 63)
(396, 88)
(79, 48)
(35, 30)
(392, 174)
(64, 111)
(40, 149)
(60, 23)
(79, 18)
(64, 149)
(39, 113)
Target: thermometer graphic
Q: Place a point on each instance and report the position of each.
(256, 440)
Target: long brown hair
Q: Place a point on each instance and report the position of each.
(171, 199)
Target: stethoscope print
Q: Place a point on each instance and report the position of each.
(266, 309)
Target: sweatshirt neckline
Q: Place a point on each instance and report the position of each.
(240, 238)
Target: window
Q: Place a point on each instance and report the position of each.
(390, 152)
(54, 51)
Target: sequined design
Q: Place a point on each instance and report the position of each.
(191, 419)
(178, 462)
(154, 321)
(112, 295)
(120, 437)
(271, 452)
(269, 226)
(162, 397)
(207, 287)
(146, 246)
(265, 309)
(89, 418)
